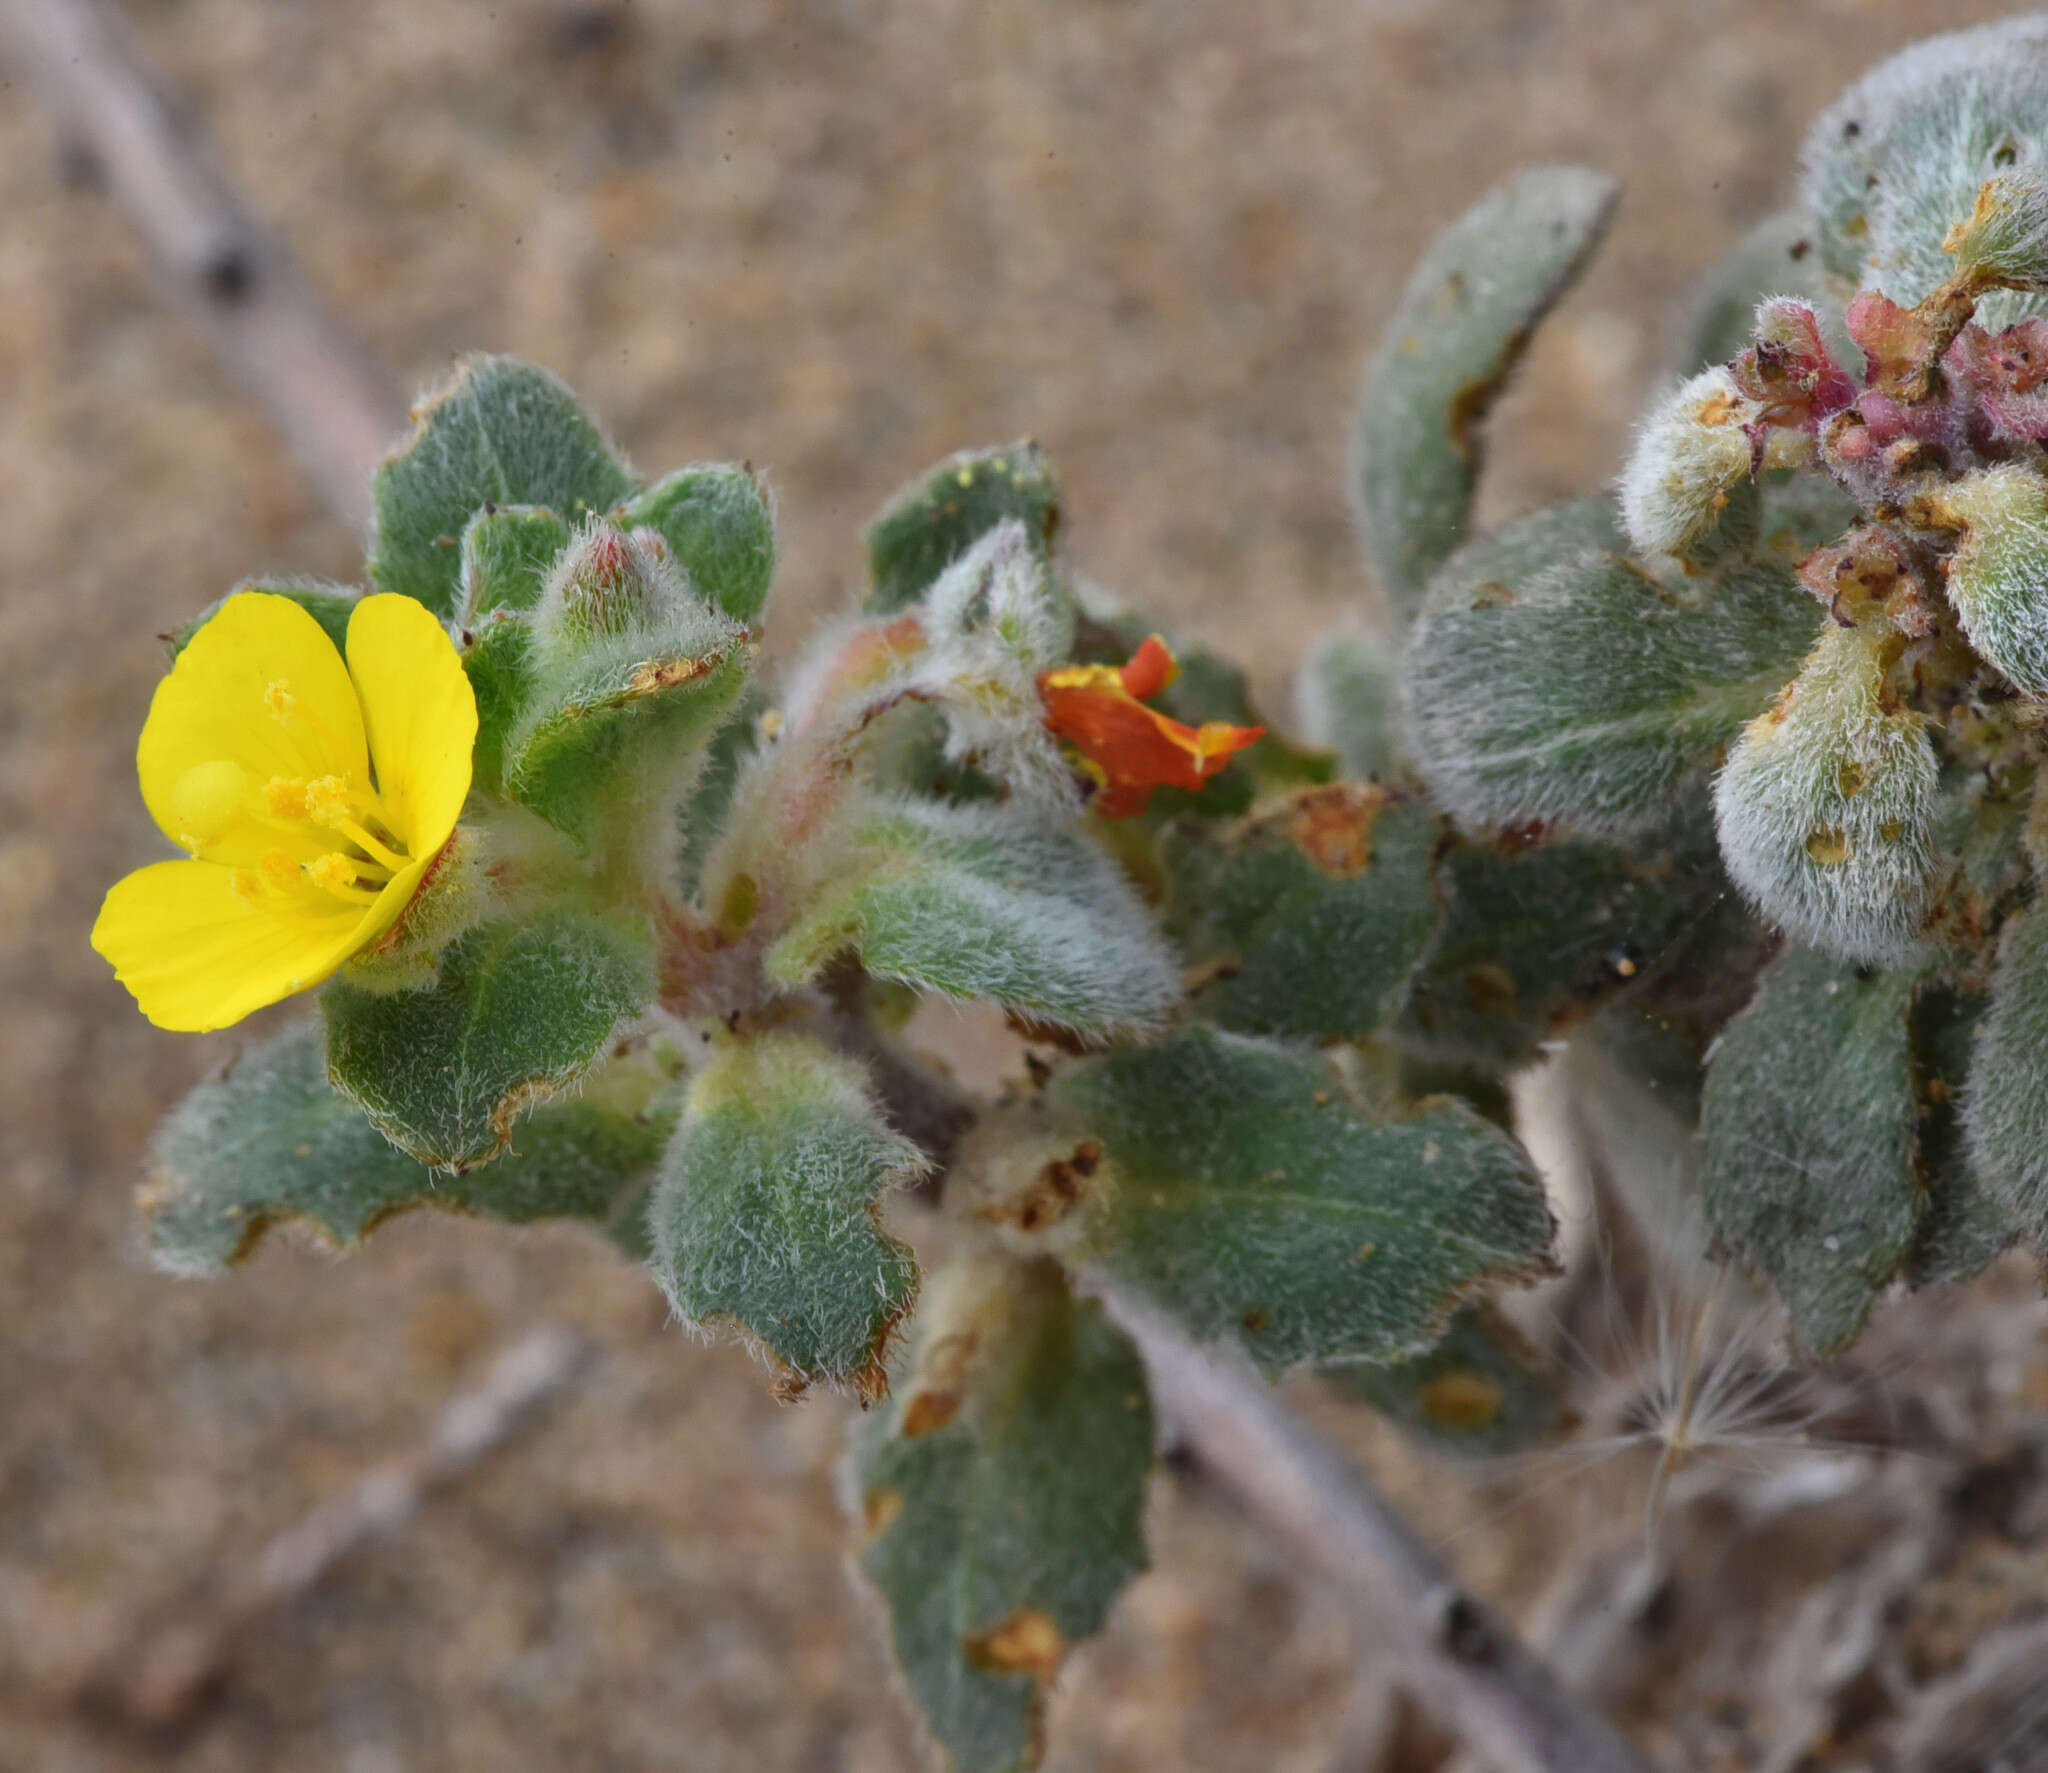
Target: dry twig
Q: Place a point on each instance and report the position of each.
(334, 411)
(1465, 1665)
(159, 1683)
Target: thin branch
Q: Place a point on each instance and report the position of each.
(335, 412)
(1466, 1666)
(160, 1682)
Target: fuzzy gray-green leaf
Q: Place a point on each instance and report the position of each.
(1251, 1197)
(985, 903)
(1463, 322)
(1001, 1498)
(1308, 919)
(1551, 679)
(500, 433)
(519, 1010)
(767, 1214)
(2005, 1109)
(1535, 939)
(1809, 1115)
(1968, 1224)
(270, 1139)
(507, 554)
(931, 522)
(718, 523)
(499, 662)
(1345, 697)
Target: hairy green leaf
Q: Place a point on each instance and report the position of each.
(2005, 1110)
(270, 1139)
(1808, 1116)
(717, 520)
(1551, 679)
(983, 902)
(519, 1011)
(1239, 1185)
(929, 523)
(1345, 697)
(499, 661)
(507, 553)
(767, 1214)
(1308, 919)
(1002, 1500)
(1480, 1392)
(1536, 939)
(500, 432)
(1968, 1225)
(1463, 322)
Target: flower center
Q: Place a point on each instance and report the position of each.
(354, 841)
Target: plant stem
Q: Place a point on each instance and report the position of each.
(1465, 1665)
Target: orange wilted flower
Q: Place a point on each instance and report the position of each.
(1128, 748)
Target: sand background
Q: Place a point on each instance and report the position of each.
(838, 239)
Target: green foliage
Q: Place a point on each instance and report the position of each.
(500, 432)
(1997, 573)
(931, 522)
(1307, 919)
(614, 720)
(520, 1009)
(1897, 161)
(1463, 322)
(1001, 1497)
(1549, 678)
(1345, 696)
(1809, 1119)
(1534, 939)
(768, 1212)
(1967, 1224)
(718, 521)
(2005, 1109)
(270, 1139)
(1248, 1194)
(983, 902)
(507, 554)
(1826, 808)
(499, 661)
(1480, 1392)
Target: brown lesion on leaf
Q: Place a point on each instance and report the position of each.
(1055, 1192)
(1492, 595)
(1491, 986)
(1026, 1641)
(652, 676)
(879, 1509)
(1332, 826)
(929, 1410)
(1468, 406)
(1461, 1399)
(1256, 1320)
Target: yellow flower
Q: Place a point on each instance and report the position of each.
(314, 796)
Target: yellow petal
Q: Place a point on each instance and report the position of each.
(197, 955)
(259, 687)
(420, 713)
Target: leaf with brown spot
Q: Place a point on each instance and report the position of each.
(767, 1215)
(1464, 320)
(999, 1539)
(1306, 919)
(1481, 1391)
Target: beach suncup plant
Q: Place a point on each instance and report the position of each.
(1732, 778)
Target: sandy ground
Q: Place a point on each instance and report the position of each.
(839, 239)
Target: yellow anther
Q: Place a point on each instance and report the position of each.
(278, 698)
(281, 867)
(328, 800)
(335, 873)
(247, 885)
(208, 801)
(284, 797)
